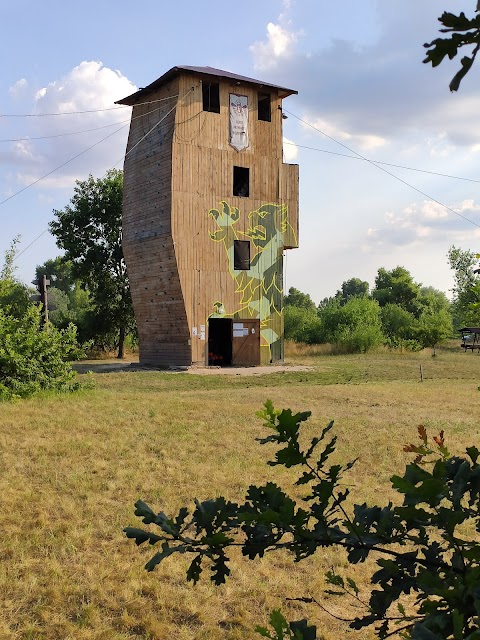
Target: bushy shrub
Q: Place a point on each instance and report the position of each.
(354, 327)
(35, 358)
(302, 325)
(359, 339)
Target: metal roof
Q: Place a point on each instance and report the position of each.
(203, 71)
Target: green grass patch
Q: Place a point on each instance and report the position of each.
(73, 466)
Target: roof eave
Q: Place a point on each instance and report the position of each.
(135, 98)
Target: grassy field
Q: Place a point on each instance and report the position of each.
(73, 466)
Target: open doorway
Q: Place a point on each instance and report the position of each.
(220, 342)
(233, 342)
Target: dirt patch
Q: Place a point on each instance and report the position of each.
(111, 366)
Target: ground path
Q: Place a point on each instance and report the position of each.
(110, 366)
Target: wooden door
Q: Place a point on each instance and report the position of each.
(246, 343)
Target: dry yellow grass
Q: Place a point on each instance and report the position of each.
(73, 466)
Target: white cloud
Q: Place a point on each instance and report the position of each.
(24, 150)
(279, 44)
(290, 150)
(280, 41)
(362, 141)
(428, 220)
(89, 87)
(430, 210)
(379, 90)
(18, 89)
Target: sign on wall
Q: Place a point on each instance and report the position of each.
(238, 121)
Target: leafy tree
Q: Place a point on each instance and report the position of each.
(14, 298)
(434, 327)
(399, 327)
(435, 323)
(326, 302)
(353, 288)
(89, 230)
(434, 300)
(466, 286)
(72, 302)
(296, 298)
(464, 32)
(426, 548)
(59, 271)
(397, 287)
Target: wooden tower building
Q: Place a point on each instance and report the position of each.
(209, 208)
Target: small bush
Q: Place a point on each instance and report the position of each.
(33, 358)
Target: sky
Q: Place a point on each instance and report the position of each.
(362, 91)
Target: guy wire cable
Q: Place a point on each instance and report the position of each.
(426, 195)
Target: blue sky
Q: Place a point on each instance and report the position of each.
(357, 67)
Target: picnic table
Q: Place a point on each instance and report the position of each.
(470, 338)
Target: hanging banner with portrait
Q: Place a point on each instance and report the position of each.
(238, 121)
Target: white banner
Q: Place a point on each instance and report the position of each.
(238, 121)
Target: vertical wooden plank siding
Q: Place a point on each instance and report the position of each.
(147, 239)
(181, 220)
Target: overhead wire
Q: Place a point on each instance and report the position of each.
(31, 184)
(426, 195)
(105, 126)
(63, 135)
(85, 150)
(357, 156)
(71, 113)
(152, 129)
(61, 165)
(387, 164)
(29, 245)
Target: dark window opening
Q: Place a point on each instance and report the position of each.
(211, 96)
(264, 107)
(241, 254)
(241, 181)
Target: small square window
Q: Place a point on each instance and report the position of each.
(241, 181)
(241, 254)
(264, 107)
(211, 96)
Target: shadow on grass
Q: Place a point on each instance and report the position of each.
(105, 367)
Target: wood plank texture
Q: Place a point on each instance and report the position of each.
(181, 220)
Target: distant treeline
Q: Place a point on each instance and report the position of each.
(398, 312)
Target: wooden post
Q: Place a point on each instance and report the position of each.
(421, 373)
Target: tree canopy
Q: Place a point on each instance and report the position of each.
(296, 298)
(89, 231)
(397, 287)
(466, 286)
(352, 288)
(399, 313)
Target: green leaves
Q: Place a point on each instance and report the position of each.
(35, 358)
(283, 630)
(421, 547)
(89, 230)
(465, 31)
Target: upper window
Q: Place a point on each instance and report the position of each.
(264, 107)
(211, 96)
(241, 254)
(241, 181)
